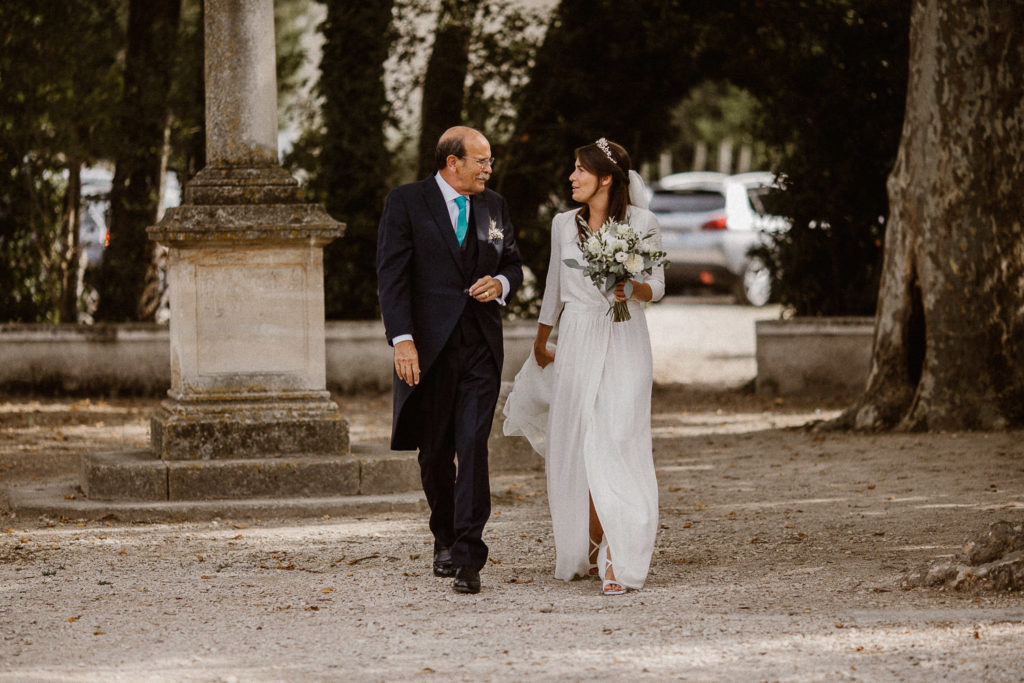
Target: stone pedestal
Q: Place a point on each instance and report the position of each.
(245, 274)
(248, 372)
(248, 413)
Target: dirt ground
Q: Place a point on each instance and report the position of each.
(779, 558)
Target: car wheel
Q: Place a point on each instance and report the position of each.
(755, 287)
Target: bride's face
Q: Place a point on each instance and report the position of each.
(586, 185)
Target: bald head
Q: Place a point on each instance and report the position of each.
(463, 158)
(453, 143)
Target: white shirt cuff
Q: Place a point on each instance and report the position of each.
(504, 288)
(401, 338)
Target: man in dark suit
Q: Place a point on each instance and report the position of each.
(446, 262)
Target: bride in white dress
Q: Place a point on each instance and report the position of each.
(600, 469)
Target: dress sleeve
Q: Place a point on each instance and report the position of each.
(657, 277)
(551, 305)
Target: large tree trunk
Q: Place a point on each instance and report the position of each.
(949, 331)
(444, 84)
(134, 195)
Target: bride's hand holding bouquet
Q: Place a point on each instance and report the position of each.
(613, 256)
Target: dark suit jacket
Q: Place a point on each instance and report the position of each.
(422, 278)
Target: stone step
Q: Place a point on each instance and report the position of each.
(61, 499)
(139, 476)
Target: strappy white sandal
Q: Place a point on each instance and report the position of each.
(607, 584)
(595, 550)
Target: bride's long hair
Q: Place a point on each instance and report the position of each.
(595, 159)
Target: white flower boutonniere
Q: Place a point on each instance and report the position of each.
(494, 233)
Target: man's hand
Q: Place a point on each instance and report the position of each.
(486, 288)
(407, 362)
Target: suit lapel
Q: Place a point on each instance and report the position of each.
(481, 216)
(482, 223)
(442, 219)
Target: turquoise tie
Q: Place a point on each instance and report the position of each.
(462, 225)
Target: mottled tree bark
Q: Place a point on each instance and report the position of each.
(949, 330)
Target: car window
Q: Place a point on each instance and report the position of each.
(687, 201)
(756, 195)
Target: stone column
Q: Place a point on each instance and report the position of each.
(245, 280)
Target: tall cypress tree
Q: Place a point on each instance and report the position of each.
(354, 162)
(60, 78)
(135, 192)
(444, 85)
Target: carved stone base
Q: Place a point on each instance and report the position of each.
(216, 428)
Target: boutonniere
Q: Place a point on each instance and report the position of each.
(494, 233)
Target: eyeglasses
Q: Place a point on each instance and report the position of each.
(483, 162)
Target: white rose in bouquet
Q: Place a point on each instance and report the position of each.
(634, 264)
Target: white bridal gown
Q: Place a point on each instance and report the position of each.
(599, 420)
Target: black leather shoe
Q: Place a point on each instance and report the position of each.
(467, 580)
(443, 563)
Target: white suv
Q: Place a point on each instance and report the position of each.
(709, 223)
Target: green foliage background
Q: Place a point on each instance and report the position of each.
(816, 86)
(60, 80)
(830, 77)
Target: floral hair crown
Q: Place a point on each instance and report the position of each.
(602, 144)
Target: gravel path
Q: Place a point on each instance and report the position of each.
(779, 558)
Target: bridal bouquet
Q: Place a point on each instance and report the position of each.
(614, 253)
